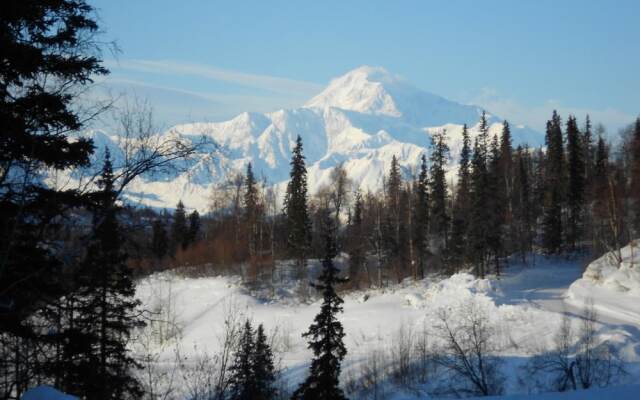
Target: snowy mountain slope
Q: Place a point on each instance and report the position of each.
(362, 119)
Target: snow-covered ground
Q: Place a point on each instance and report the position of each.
(613, 281)
(526, 305)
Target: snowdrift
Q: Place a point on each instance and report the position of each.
(612, 283)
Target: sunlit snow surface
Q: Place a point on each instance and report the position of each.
(526, 304)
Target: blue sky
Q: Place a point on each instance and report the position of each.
(209, 60)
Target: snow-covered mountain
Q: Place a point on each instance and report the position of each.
(361, 119)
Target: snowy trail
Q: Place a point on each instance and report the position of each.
(545, 286)
(542, 285)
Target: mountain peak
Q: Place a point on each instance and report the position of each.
(363, 89)
(376, 91)
(370, 74)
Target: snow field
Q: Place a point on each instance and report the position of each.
(525, 306)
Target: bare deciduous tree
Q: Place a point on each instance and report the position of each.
(144, 148)
(469, 352)
(576, 361)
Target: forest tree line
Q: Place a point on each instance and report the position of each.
(579, 194)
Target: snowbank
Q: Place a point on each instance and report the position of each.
(612, 282)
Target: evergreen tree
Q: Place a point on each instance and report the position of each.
(462, 204)
(179, 230)
(421, 219)
(478, 226)
(392, 228)
(589, 150)
(496, 201)
(159, 240)
(438, 217)
(251, 210)
(404, 249)
(242, 380)
(193, 231)
(505, 177)
(522, 203)
(48, 53)
(105, 307)
(552, 235)
(356, 241)
(576, 187)
(539, 186)
(394, 182)
(252, 373)
(326, 334)
(263, 368)
(600, 195)
(298, 224)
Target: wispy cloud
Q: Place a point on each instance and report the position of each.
(173, 105)
(536, 115)
(263, 82)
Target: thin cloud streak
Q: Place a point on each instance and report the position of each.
(176, 105)
(264, 82)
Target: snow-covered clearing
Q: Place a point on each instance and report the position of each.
(526, 305)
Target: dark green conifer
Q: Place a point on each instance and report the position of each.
(326, 334)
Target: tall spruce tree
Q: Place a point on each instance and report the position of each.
(552, 235)
(478, 226)
(263, 367)
(251, 211)
(538, 187)
(404, 255)
(438, 216)
(522, 204)
(179, 229)
(576, 186)
(326, 334)
(356, 241)
(394, 192)
(421, 219)
(159, 240)
(105, 312)
(242, 382)
(589, 151)
(505, 177)
(462, 205)
(588, 148)
(49, 53)
(298, 223)
(497, 198)
(193, 231)
(392, 215)
(252, 373)
(600, 196)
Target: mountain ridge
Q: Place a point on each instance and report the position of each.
(361, 119)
